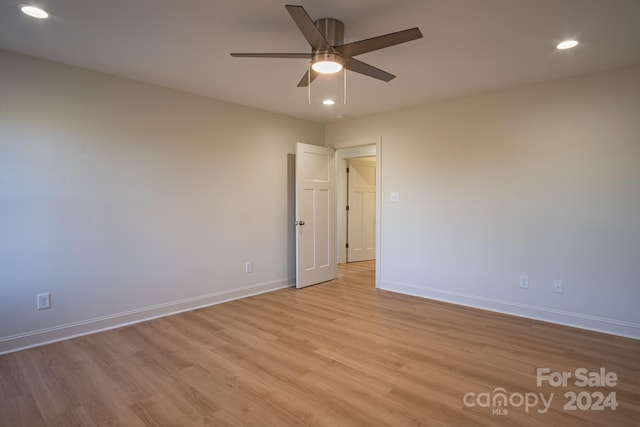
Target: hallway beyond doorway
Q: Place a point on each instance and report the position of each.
(361, 274)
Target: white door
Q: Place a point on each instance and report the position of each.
(315, 215)
(361, 216)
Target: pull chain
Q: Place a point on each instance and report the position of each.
(309, 83)
(344, 89)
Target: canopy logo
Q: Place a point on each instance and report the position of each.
(500, 401)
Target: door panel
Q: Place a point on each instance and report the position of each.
(361, 230)
(315, 215)
(322, 228)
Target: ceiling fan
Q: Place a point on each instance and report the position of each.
(329, 54)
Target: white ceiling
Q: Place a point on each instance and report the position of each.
(469, 46)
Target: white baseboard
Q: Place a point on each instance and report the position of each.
(71, 330)
(577, 320)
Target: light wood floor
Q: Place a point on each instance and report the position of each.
(336, 354)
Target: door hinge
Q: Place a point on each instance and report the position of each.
(347, 170)
(347, 246)
(347, 207)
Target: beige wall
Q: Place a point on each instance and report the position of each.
(541, 180)
(126, 200)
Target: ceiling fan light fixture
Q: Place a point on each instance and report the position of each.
(326, 63)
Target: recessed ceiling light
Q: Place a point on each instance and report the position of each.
(34, 12)
(328, 102)
(567, 44)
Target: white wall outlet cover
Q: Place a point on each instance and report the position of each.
(394, 197)
(558, 286)
(43, 301)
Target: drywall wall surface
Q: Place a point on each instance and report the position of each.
(126, 200)
(542, 181)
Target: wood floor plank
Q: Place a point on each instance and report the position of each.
(337, 354)
(20, 411)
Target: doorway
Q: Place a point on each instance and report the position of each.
(360, 222)
(347, 157)
(319, 173)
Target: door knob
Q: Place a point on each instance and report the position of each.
(300, 222)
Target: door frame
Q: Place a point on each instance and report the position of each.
(350, 151)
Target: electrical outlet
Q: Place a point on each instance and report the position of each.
(394, 197)
(248, 267)
(524, 282)
(43, 301)
(558, 286)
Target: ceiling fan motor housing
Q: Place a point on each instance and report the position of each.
(332, 30)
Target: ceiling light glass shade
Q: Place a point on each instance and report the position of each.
(34, 12)
(567, 44)
(326, 63)
(328, 102)
(326, 67)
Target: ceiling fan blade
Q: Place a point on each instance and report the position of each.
(304, 82)
(272, 55)
(380, 42)
(308, 28)
(368, 70)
